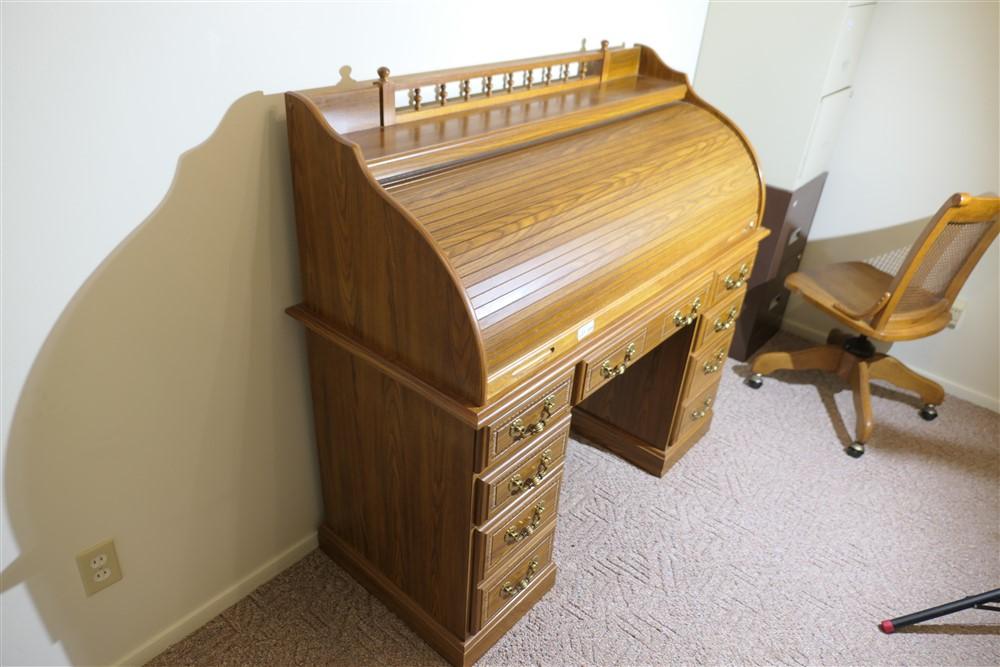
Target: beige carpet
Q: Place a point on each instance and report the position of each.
(764, 545)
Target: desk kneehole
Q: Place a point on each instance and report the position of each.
(504, 589)
(504, 486)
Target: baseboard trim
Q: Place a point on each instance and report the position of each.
(219, 603)
(950, 387)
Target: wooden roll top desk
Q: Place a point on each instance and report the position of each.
(492, 256)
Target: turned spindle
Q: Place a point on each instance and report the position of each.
(529, 76)
(417, 99)
(548, 75)
(508, 81)
(564, 72)
(466, 90)
(383, 80)
(442, 94)
(488, 85)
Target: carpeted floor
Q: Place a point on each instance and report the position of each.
(764, 545)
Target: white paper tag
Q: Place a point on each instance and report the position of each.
(585, 330)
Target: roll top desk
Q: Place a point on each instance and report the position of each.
(493, 256)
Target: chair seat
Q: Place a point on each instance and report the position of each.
(856, 287)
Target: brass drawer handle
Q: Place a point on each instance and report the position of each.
(511, 589)
(517, 428)
(715, 364)
(740, 280)
(681, 320)
(730, 320)
(608, 371)
(517, 533)
(702, 411)
(517, 485)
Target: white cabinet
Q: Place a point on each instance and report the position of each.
(783, 71)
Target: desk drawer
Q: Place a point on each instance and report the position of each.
(685, 310)
(496, 594)
(706, 365)
(518, 529)
(696, 411)
(734, 278)
(719, 322)
(612, 361)
(503, 487)
(527, 422)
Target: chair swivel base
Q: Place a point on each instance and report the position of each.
(855, 360)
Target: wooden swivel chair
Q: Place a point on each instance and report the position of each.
(913, 303)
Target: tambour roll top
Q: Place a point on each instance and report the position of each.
(507, 211)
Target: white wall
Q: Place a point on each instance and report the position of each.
(153, 390)
(922, 125)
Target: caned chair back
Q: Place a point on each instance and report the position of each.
(941, 259)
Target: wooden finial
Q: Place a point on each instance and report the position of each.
(383, 74)
(604, 44)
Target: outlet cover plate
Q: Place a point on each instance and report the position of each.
(99, 567)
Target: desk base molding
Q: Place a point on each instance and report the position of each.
(458, 652)
(653, 460)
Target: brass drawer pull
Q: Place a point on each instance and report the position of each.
(730, 320)
(517, 485)
(740, 280)
(702, 411)
(608, 371)
(510, 590)
(715, 364)
(515, 533)
(517, 428)
(681, 320)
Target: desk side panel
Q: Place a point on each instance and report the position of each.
(397, 483)
(371, 271)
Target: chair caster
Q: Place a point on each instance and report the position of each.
(855, 450)
(754, 381)
(929, 412)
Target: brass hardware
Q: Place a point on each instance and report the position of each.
(517, 533)
(740, 280)
(730, 320)
(517, 428)
(517, 485)
(510, 590)
(702, 411)
(711, 366)
(608, 371)
(681, 320)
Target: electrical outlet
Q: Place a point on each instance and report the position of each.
(957, 310)
(99, 567)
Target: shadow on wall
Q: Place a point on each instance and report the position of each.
(169, 406)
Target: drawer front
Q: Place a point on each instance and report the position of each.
(495, 594)
(706, 365)
(734, 278)
(696, 411)
(528, 421)
(612, 361)
(686, 309)
(720, 322)
(503, 487)
(518, 529)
